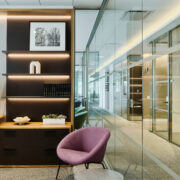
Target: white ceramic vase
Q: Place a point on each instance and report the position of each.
(35, 67)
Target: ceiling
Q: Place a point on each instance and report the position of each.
(90, 4)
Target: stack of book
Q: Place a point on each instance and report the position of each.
(60, 90)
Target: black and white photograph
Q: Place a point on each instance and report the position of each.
(47, 36)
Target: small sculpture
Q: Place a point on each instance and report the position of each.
(35, 67)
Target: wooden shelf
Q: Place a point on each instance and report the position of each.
(34, 52)
(45, 97)
(2, 116)
(19, 74)
(34, 125)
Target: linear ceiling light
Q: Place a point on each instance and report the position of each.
(165, 18)
(39, 99)
(38, 55)
(41, 17)
(39, 77)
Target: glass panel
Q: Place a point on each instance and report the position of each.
(133, 77)
(160, 89)
(147, 96)
(161, 157)
(176, 97)
(80, 80)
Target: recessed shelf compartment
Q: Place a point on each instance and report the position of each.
(47, 97)
(35, 52)
(18, 74)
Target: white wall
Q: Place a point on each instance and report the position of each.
(3, 28)
(84, 22)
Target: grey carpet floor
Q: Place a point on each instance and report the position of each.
(49, 173)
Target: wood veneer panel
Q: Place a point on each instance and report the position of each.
(30, 146)
(72, 69)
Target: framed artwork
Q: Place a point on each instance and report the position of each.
(47, 36)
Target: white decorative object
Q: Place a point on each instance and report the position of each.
(35, 67)
(21, 120)
(54, 121)
(47, 36)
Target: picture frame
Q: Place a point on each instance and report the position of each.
(47, 36)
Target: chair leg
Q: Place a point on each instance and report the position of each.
(103, 165)
(87, 165)
(57, 172)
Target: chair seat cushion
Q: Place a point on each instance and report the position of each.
(72, 156)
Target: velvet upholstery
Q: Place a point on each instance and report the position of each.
(84, 146)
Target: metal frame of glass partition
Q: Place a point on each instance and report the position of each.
(169, 93)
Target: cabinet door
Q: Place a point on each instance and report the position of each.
(30, 147)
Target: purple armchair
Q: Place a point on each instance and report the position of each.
(84, 146)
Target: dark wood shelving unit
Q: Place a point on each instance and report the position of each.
(35, 143)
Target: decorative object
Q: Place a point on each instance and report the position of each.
(35, 67)
(54, 119)
(21, 120)
(47, 36)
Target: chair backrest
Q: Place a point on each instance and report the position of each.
(79, 109)
(80, 119)
(93, 136)
(94, 141)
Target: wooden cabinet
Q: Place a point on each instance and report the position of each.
(30, 146)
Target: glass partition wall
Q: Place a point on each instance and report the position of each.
(80, 79)
(133, 62)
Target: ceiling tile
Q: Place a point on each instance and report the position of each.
(23, 2)
(3, 2)
(87, 3)
(57, 2)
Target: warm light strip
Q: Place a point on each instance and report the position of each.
(37, 55)
(166, 18)
(39, 99)
(136, 85)
(36, 17)
(39, 77)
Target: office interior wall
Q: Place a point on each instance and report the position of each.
(84, 21)
(3, 29)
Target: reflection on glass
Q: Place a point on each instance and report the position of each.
(133, 86)
(160, 89)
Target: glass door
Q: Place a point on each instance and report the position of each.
(160, 89)
(175, 87)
